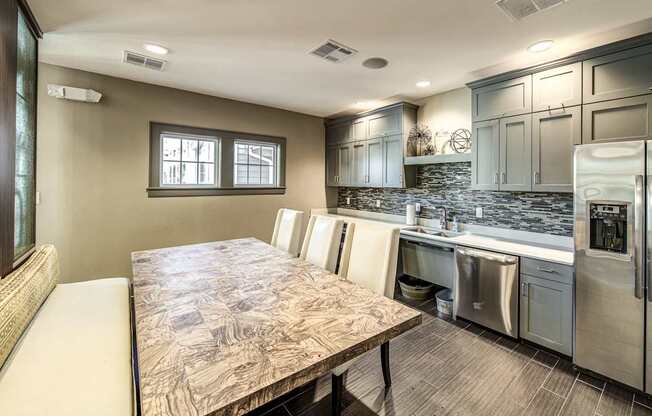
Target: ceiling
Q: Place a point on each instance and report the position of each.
(257, 50)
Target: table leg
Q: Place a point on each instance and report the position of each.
(337, 386)
(384, 358)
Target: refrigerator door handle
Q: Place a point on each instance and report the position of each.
(639, 257)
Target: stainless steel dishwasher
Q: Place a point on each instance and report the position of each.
(487, 289)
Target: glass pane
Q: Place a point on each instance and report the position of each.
(206, 151)
(189, 151)
(268, 155)
(206, 174)
(254, 175)
(240, 175)
(26, 61)
(241, 151)
(171, 148)
(171, 174)
(188, 173)
(24, 203)
(254, 155)
(266, 175)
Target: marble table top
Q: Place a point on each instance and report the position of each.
(225, 327)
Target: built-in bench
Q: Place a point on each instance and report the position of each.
(65, 349)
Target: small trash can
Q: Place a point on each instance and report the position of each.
(444, 299)
(413, 288)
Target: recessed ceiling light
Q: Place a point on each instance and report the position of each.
(375, 63)
(540, 46)
(423, 84)
(157, 49)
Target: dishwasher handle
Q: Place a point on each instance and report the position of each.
(488, 255)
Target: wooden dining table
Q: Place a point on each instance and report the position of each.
(222, 328)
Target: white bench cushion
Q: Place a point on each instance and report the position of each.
(75, 357)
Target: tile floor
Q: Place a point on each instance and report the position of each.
(456, 368)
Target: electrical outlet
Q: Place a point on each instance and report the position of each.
(378, 203)
(348, 201)
(417, 207)
(478, 212)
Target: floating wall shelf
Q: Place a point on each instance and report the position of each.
(429, 160)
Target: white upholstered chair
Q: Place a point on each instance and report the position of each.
(369, 259)
(322, 242)
(287, 230)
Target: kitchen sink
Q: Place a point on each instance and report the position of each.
(431, 231)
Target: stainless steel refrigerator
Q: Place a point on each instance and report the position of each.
(612, 185)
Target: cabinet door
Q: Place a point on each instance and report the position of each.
(504, 99)
(516, 153)
(619, 75)
(393, 161)
(485, 155)
(359, 164)
(344, 156)
(359, 129)
(626, 119)
(547, 313)
(557, 88)
(375, 163)
(338, 133)
(385, 123)
(554, 133)
(332, 165)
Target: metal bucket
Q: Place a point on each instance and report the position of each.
(444, 299)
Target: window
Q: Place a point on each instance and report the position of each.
(19, 39)
(188, 161)
(255, 164)
(193, 161)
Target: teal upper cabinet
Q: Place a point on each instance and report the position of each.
(360, 129)
(557, 88)
(485, 155)
(385, 123)
(368, 150)
(515, 153)
(618, 75)
(625, 119)
(339, 133)
(503, 99)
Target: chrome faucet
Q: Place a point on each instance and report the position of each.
(443, 224)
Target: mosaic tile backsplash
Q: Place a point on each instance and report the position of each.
(448, 186)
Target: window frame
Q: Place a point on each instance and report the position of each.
(225, 162)
(215, 163)
(275, 167)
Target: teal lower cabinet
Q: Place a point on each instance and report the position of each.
(546, 315)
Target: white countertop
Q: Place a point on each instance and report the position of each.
(518, 247)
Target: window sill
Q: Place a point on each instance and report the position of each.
(174, 192)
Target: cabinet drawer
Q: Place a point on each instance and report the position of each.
(619, 75)
(504, 99)
(547, 270)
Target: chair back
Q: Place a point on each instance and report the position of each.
(287, 230)
(370, 256)
(322, 242)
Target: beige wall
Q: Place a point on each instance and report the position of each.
(93, 170)
(446, 112)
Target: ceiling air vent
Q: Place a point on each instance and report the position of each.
(519, 9)
(333, 51)
(143, 60)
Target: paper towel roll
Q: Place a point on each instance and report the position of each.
(411, 214)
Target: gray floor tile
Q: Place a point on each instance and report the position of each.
(615, 401)
(582, 400)
(546, 358)
(640, 410)
(523, 389)
(562, 378)
(545, 403)
(591, 380)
